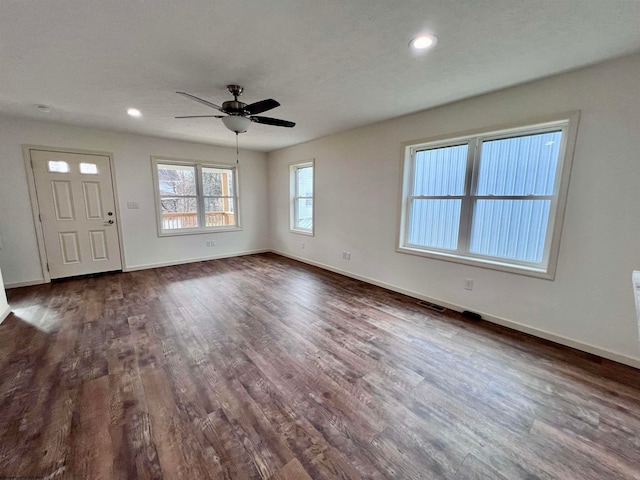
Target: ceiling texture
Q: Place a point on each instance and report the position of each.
(332, 64)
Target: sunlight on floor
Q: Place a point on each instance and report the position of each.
(38, 317)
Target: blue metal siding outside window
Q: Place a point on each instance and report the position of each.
(523, 166)
(438, 172)
(502, 213)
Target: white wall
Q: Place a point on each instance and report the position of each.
(4, 305)
(19, 258)
(589, 304)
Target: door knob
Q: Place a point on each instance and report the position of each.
(110, 222)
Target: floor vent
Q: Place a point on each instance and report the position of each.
(432, 306)
(471, 315)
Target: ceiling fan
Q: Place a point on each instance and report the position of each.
(238, 114)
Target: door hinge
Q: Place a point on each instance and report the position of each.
(48, 268)
(40, 218)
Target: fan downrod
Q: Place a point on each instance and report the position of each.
(234, 107)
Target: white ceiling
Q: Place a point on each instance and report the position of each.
(332, 64)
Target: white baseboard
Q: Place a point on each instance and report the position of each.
(5, 313)
(28, 283)
(133, 268)
(601, 352)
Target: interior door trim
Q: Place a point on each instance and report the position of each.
(35, 209)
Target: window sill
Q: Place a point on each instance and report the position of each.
(198, 231)
(302, 232)
(548, 274)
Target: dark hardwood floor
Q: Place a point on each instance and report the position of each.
(262, 367)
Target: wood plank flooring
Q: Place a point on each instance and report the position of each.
(260, 367)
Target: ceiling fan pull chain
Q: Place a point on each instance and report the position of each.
(237, 151)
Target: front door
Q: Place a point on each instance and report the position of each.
(77, 212)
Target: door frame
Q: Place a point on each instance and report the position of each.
(35, 207)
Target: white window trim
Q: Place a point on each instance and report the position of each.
(198, 164)
(501, 131)
(293, 195)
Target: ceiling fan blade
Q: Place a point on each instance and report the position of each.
(200, 116)
(200, 100)
(272, 121)
(261, 106)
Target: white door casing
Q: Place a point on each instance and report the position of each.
(76, 205)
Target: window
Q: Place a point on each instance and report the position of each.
(195, 197)
(493, 199)
(59, 166)
(89, 168)
(301, 178)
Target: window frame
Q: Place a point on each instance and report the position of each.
(474, 139)
(294, 196)
(199, 196)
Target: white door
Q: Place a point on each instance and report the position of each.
(77, 212)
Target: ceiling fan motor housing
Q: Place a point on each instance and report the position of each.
(233, 107)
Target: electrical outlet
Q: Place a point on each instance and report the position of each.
(346, 255)
(302, 245)
(211, 243)
(468, 284)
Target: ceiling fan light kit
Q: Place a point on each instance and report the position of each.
(236, 123)
(239, 114)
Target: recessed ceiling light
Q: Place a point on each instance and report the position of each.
(422, 43)
(134, 112)
(43, 108)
